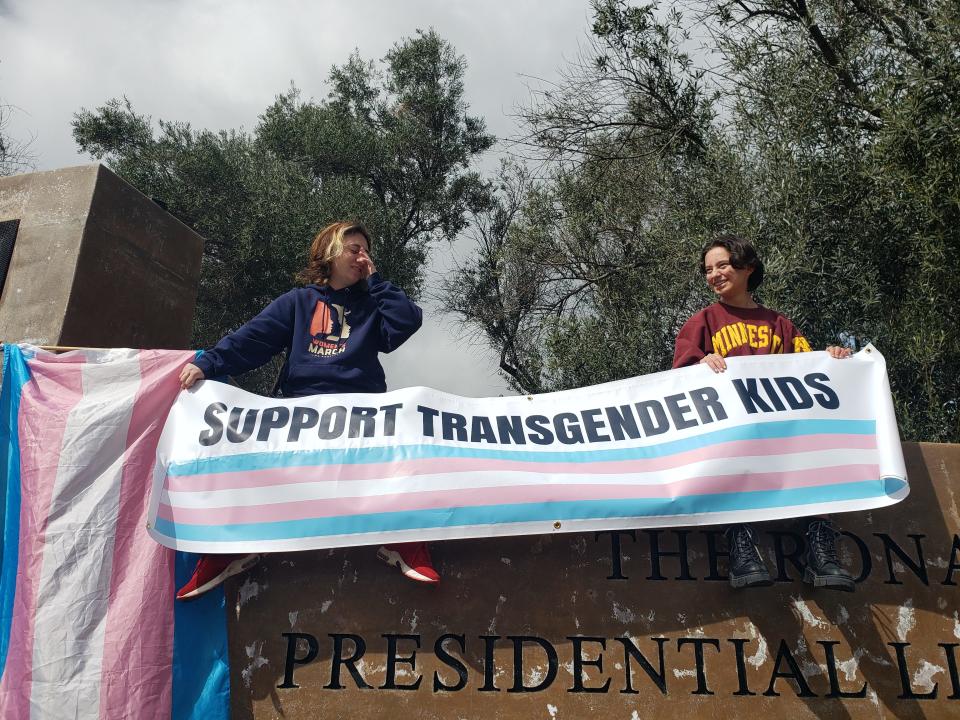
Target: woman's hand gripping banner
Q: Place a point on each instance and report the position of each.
(772, 437)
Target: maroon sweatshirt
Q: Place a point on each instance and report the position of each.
(731, 331)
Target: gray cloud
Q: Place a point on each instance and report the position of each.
(219, 63)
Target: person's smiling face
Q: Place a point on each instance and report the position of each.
(727, 281)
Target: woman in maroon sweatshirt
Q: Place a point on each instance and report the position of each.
(736, 325)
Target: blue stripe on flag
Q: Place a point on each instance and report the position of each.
(16, 374)
(530, 512)
(201, 669)
(201, 664)
(352, 456)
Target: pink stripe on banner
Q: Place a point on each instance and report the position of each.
(56, 387)
(446, 466)
(138, 641)
(472, 497)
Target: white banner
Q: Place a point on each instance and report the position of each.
(772, 437)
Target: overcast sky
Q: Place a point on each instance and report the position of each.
(219, 63)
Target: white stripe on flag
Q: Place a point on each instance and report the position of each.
(333, 488)
(535, 527)
(74, 585)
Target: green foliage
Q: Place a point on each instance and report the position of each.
(391, 147)
(827, 132)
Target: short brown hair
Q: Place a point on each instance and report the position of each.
(327, 245)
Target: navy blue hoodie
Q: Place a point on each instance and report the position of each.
(332, 338)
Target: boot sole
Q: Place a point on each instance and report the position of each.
(235, 568)
(393, 559)
(758, 579)
(830, 582)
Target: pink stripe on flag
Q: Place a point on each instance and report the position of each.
(138, 640)
(446, 466)
(46, 401)
(473, 497)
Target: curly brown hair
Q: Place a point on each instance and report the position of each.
(327, 245)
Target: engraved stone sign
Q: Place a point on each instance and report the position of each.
(626, 625)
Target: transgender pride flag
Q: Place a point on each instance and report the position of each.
(88, 623)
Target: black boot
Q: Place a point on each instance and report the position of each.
(823, 566)
(747, 568)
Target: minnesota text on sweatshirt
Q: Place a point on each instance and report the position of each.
(332, 338)
(731, 331)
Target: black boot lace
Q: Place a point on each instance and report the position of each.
(823, 542)
(743, 548)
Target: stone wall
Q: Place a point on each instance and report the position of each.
(633, 625)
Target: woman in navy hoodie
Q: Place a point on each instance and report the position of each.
(332, 331)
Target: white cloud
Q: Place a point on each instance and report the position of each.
(220, 63)
(442, 356)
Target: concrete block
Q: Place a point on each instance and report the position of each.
(96, 263)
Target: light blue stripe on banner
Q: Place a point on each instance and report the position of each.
(531, 512)
(16, 374)
(201, 669)
(367, 455)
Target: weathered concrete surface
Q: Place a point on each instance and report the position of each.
(561, 587)
(95, 263)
